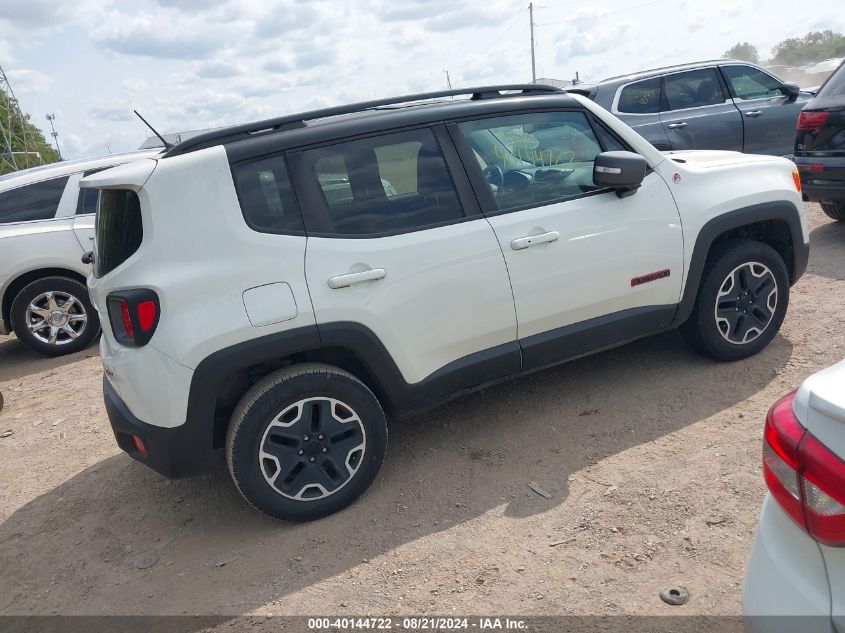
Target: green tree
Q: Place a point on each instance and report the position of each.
(813, 47)
(20, 130)
(743, 51)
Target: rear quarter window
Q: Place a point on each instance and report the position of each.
(38, 201)
(641, 97)
(265, 194)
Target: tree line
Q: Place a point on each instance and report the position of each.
(815, 46)
(17, 128)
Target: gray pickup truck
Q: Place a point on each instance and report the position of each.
(722, 104)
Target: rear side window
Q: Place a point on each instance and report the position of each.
(266, 197)
(642, 97)
(38, 201)
(693, 89)
(118, 229)
(751, 83)
(387, 184)
(835, 84)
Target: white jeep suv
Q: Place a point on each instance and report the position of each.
(280, 288)
(46, 224)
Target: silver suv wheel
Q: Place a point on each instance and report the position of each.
(746, 303)
(56, 318)
(312, 449)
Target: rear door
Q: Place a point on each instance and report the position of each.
(698, 114)
(768, 116)
(394, 248)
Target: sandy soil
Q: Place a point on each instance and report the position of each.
(650, 452)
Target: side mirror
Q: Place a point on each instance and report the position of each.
(622, 171)
(791, 90)
(88, 258)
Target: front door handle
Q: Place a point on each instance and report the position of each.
(531, 240)
(342, 281)
(754, 113)
(675, 126)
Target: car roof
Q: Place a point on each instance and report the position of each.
(645, 74)
(22, 177)
(263, 137)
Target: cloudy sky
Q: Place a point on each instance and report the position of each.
(193, 64)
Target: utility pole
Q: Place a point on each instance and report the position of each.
(531, 19)
(54, 134)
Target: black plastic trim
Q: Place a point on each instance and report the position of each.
(175, 452)
(578, 339)
(735, 219)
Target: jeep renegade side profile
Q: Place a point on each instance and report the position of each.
(279, 289)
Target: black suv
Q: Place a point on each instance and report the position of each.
(820, 146)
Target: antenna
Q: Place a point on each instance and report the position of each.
(161, 138)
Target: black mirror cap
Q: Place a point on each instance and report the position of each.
(622, 171)
(791, 89)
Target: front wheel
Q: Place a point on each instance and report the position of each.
(834, 211)
(741, 302)
(54, 316)
(305, 442)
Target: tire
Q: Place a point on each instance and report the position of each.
(288, 442)
(726, 331)
(834, 210)
(46, 299)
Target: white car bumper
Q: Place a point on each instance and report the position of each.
(786, 586)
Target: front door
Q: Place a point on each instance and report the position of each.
(394, 249)
(587, 268)
(769, 117)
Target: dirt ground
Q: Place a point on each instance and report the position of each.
(651, 455)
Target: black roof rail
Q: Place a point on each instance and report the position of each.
(293, 121)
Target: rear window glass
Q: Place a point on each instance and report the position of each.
(835, 84)
(385, 184)
(118, 229)
(642, 97)
(265, 195)
(38, 201)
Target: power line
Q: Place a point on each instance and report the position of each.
(603, 15)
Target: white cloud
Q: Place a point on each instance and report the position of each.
(26, 81)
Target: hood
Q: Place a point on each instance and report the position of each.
(717, 158)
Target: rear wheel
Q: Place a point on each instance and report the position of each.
(834, 210)
(741, 301)
(54, 316)
(305, 442)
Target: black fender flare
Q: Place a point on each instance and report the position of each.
(709, 233)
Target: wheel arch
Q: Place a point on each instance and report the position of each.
(777, 224)
(23, 279)
(221, 379)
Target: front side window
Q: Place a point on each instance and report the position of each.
(38, 201)
(642, 97)
(264, 192)
(751, 83)
(693, 89)
(386, 184)
(534, 159)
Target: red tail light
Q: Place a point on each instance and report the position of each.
(133, 315)
(810, 121)
(803, 475)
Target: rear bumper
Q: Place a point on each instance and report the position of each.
(822, 177)
(174, 452)
(786, 586)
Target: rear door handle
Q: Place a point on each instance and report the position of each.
(754, 113)
(342, 281)
(675, 126)
(531, 240)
